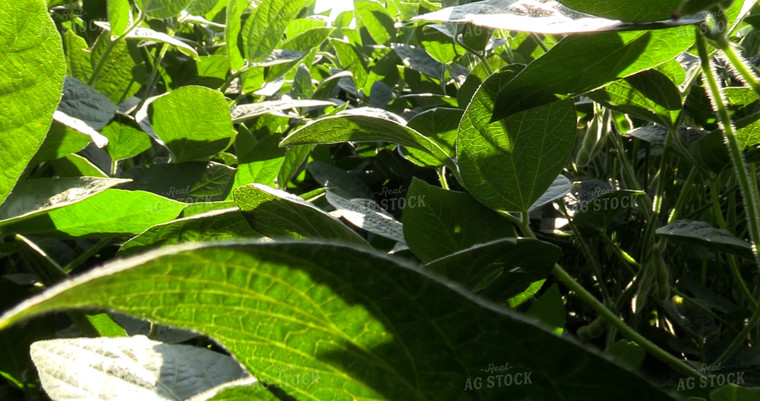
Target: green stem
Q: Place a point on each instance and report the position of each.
(442, 177)
(741, 66)
(746, 185)
(110, 46)
(624, 329)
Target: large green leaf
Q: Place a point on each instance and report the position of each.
(509, 164)
(376, 19)
(263, 29)
(109, 213)
(278, 214)
(580, 63)
(194, 122)
(352, 324)
(641, 10)
(365, 125)
(438, 222)
(41, 195)
(32, 70)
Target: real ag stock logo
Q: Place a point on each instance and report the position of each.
(498, 376)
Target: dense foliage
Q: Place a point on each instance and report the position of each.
(416, 200)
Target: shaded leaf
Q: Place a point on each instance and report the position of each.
(700, 233)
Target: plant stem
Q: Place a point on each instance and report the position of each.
(110, 46)
(741, 66)
(746, 185)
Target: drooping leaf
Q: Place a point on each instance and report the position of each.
(418, 59)
(112, 212)
(339, 181)
(246, 111)
(194, 122)
(83, 102)
(235, 9)
(351, 60)
(278, 214)
(367, 215)
(119, 16)
(364, 125)
(369, 327)
(134, 366)
(32, 71)
(700, 233)
(61, 141)
(509, 164)
(553, 18)
(439, 222)
(41, 195)
(580, 63)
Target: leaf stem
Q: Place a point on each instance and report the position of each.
(110, 46)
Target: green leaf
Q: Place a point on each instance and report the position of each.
(550, 17)
(32, 70)
(550, 309)
(438, 222)
(124, 141)
(701, 234)
(418, 59)
(641, 10)
(278, 214)
(74, 165)
(500, 269)
(202, 7)
(137, 366)
(83, 102)
(162, 8)
(598, 212)
(627, 353)
(292, 164)
(216, 225)
(339, 181)
(235, 9)
(581, 63)
(59, 142)
(376, 19)
(117, 74)
(194, 122)
(509, 164)
(41, 195)
(733, 392)
(77, 55)
(440, 126)
(119, 16)
(263, 29)
(112, 212)
(478, 75)
(142, 33)
(350, 59)
(558, 189)
(648, 94)
(367, 215)
(246, 111)
(261, 164)
(369, 327)
(190, 182)
(365, 125)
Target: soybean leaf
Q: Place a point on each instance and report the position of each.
(376, 19)
(137, 366)
(499, 269)
(365, 125)
(263, 29)
(304, 44)
(32, 68)
(246, 111)
(162, 8)
(580, 63)
(367, 215)
(116, 78)
(600, 211)
(77, 55)
(408, 343)
(41, 195)
(550, 309)
(80, 126)
(189, 182)
(418, 59)
(112, 212)
(734, 392)
(142, 33)
(201, 7)
(700, 233)
(194, 122)
(350, 59)
(292, 164)
(509, 164)
(438, 222)
(338, 180)
(440, 126)
(559, 188)
(61, 141)
(554, 18)
(261, 164)
(648, 94)
(216, 225)
(124, 141)
(235, 9)
(83, 102)
(278, 214)
(119, 16)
